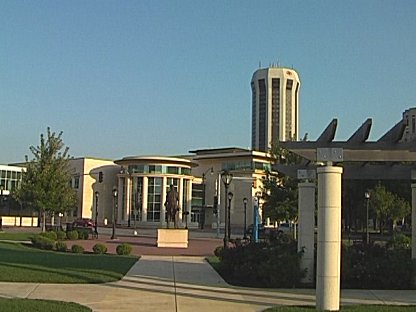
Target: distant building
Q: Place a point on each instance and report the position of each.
(275, 107)
(409, 116)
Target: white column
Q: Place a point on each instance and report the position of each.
(414, 228)
(189, 201)
(180, 190)
(163, 200)
(329, 238)
(121, 181)
(127, 208)
(144, 199)
(306, 240)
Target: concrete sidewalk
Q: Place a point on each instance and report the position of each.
(182, 283)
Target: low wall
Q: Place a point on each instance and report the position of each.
(172, 238)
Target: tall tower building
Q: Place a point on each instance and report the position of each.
(275, 107)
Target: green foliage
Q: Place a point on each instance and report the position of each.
(266, 264)
(77, 249)
(400, 241)
(61, 246)
(83, 234)
(43, 242)
(99, 249)
(219, 251)
(61, 235)
(50, 234)
(72, 235)
(280, 192)
(45, 184)
(19, 304)
(376, 267)
(124, 249)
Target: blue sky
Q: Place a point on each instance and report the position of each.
(123, 78)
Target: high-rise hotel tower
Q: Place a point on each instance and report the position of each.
(275, 107)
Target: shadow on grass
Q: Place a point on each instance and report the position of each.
(26, 264)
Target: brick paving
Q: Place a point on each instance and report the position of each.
(143, 244)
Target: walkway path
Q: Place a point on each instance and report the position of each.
(183, 283)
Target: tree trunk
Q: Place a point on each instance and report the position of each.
(43, 221)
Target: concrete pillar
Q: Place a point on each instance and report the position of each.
(414, 231)
(163, 200)
(128, 200)
(329, 238)
(144, 199)
(306, 228)
(414, 221)
(120, 204)
(181, 200)
(189, 201)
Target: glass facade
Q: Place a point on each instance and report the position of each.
(154, 200)
(10, 180)
(137, 198)
(253, 114)
(159, 169)
(275, 108)
(246, 165)
(262, 115)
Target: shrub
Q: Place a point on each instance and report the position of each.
(83, 234)
(400, 241)
(50, 234)
(376, 267)
(77, 249)
(124, 249)
(99, 249)
(72, 235)
(43, 242)
(61, 235)
(218, 251)
(61, 246)
(265, 264)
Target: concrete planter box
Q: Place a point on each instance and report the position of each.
(172, 238)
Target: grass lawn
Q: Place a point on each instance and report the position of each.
(18, 305)
(352, 308)
(16, 236)
(20, 263)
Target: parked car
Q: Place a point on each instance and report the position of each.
(263, 231)
(85, 224)
(284, 228)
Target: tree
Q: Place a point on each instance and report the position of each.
(388, 207)
(280, 192)
(45, 184)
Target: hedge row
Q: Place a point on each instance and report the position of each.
(48, 241)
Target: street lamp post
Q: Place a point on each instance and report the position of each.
(96, 214)
(230, 197)
(211, 170)
(115, 193)
(245, 200)
(256, 218)
(226, 178)
(367, 234)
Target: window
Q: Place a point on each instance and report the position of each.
(76, 183)
(154, 199)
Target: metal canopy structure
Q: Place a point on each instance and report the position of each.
(387, 158)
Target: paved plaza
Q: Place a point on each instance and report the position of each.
(179, 281)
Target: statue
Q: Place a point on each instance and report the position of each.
(172, 206)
